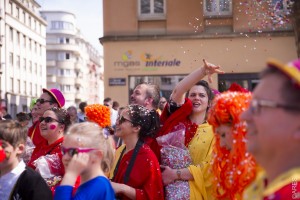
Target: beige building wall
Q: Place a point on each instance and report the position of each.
(239, 42)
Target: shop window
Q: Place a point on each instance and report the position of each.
(166, 80)
(151, 9)
(246, 80)
(166, 83)
(217, 7)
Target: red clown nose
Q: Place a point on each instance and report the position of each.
(2, 153)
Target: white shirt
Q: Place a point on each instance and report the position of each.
(8, 181)
(113, 116)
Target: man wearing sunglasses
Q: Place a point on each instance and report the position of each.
(273, 125)
(49, 98)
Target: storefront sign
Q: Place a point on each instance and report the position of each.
(146, 60)
(117, 81)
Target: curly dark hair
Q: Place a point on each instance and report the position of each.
(63, 116)
(146, 119)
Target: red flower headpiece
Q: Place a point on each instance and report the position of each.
(99, 114)
(234, 87)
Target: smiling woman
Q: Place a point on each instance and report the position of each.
(199, 138)
(136, 174)
(53, 124)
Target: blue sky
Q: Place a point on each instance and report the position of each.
(89, 17)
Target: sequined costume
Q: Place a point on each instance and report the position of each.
(144, 176)
(56, 167)
(199, 139)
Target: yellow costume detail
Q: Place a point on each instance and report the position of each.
(200, 148)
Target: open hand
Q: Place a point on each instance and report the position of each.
(78, 163)
(211, 69)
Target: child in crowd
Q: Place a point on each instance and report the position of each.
(16, 180)
(88, 153)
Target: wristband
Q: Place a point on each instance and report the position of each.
(178, 172)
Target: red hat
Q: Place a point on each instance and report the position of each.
(234, 87)
(291, 69)
(57, 95)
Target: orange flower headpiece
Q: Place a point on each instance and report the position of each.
(99, 114)
(233, 169)
(227, 107)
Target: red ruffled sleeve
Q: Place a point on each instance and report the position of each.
(169, 121)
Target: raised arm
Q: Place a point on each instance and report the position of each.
(190, 80)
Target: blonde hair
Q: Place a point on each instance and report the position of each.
(91, 135)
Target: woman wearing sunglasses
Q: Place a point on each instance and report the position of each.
(136, 173)
(47, 158)
(88, 153)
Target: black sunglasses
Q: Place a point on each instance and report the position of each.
(123, 119)
(42, 101)
(48, 119)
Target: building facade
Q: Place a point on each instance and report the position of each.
(22, 54)
(162, 41)
(73, 65)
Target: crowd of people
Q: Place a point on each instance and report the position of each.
(196, 144)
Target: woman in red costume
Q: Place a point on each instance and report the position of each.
(199, 138)
(47, 158)
(136, 173)
(233, 168)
